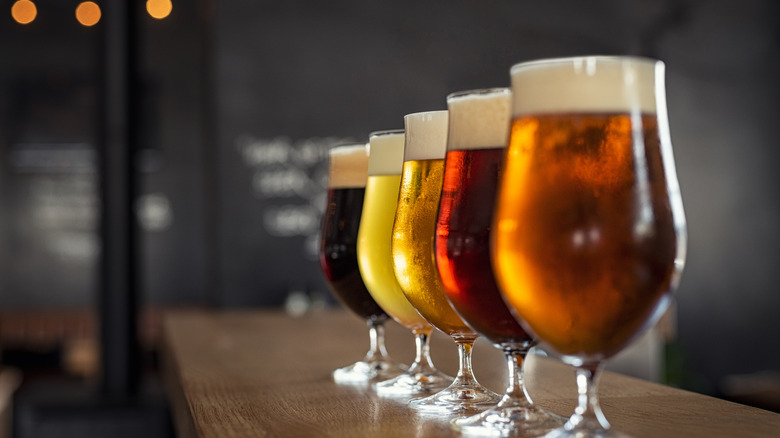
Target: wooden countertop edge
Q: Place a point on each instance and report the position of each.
(181, 409)
(184, 413)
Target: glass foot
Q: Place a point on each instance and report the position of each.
(412, 384)
(457, 399)
(364, 372)
(509, 421)
(567, 431)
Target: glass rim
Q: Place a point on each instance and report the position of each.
(419, 113)
(347, 145)
(479, 92)
(386, 132)
(584, 58)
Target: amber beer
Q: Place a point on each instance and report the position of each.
(415, 222)
(478, 135)
(338, 245)
(587, 233)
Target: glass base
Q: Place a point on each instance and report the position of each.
(364, 372)
(457, 398)
(509, 421)
(413, 384)
(582, 432)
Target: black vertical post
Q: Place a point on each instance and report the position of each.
(118, 306)
(211, 159)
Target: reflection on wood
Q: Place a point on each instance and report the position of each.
(255, 373)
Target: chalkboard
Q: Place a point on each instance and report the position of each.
(294, 78)
(271, 235)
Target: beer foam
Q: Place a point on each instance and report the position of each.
(386, 153)
(426, 135)
(587, 84)
(348, 166)
(479, 118)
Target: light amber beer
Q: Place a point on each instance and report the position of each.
(589, 233)
(376, 226)
(415, 223)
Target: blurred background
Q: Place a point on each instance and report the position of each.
(240, 101)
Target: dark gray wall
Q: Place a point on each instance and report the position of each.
(48, 131)
(724, 67)
(309, 69)
(244, 98)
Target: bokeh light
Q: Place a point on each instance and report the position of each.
(24, 11)
(88, 13)
(159, 9)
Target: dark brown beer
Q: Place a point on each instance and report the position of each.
(462, 244)
(338, 237)
(585, 239)
(338, 253)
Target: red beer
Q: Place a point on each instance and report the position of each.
(463, 244)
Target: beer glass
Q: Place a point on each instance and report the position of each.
(338, 259)
(373, 249)
(413, 257)
(478, 134)
(589, 234)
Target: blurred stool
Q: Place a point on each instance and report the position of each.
(761, 390)
(10, 379)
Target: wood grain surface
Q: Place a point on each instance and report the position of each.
(267, 374)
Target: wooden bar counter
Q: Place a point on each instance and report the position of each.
(267, 374)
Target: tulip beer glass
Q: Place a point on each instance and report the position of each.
(589, 235)
(478, 135)
(374, 258)
(413, 258)
(338, 259)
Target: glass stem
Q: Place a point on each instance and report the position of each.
(465, 372)
(516, 394)
(588, 413)
(422, 359)
(376, 336)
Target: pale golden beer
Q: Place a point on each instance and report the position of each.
(376, 225)
(376, 265)
(414, 227)
(589, 234)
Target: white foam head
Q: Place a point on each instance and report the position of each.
(348, 166)
(426, 135)
(479, 118)
(386, 152)
(586, 84)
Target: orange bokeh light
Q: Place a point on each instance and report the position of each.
(159, 8)
(24, 11)
(88, 13)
